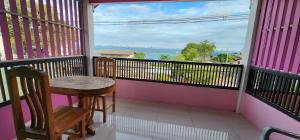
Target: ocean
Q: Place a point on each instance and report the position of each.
(151, 53)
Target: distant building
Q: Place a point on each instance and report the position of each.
(117, 53)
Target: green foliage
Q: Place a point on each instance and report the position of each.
(180, 57)
(190, 52)
(165, 57)
(225, 58)
(200, 50)
(193, 52)
(192, 74)
(139, 55)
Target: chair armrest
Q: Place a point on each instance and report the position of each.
(269, 130)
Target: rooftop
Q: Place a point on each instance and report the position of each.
(116, 52)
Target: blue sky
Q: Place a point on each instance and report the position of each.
(227, 35)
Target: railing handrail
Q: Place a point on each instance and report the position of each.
(225, 76)
(280, 90)
(281, 73)
(176, 62)
(269, 130)
(56, 67)
(29, 61)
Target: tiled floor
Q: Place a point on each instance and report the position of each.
(139, 120)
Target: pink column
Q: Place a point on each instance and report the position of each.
(72, 27)
(78, 52)
(62, 27)
(16, 29)
(282, 46)
(43, 25)
(269, 43)
(277, 35)
(50, 27)
(296, 64)
(5, 33)
(35, 29)
(26, 29)
(292, 46)
(67, 28)
(259, 32)
(265, 33)
(58, 46)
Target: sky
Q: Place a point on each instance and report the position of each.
(227, 35)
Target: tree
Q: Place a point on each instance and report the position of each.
(225, 58)
(206, 49)
(190, 52)
(180, 57)
(200, 50)
(165, 57)
(139, 55)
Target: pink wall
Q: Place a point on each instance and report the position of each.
(178, 94)
(168, 93)
(263, 115)
(7, 131)
(277, 48)
(71, 28)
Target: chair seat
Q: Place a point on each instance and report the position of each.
(66, 117)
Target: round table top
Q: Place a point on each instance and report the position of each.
(82, 85)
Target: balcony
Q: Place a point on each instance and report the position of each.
(156, 100)
(163, 100)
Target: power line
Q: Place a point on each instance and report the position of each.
(176, 20)
(185, 18)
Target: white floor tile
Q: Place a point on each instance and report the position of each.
(139, 120)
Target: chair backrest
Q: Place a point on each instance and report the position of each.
(105, 67)
(34, 85)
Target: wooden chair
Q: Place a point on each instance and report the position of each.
(46, 124)
(106, 67)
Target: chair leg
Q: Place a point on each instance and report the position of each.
(104, 109)
(70, 100)
(114, 107)
(72, 136)
(114, 102)
(59, 137)
(82, 129)
(20, 137)
(98, 103)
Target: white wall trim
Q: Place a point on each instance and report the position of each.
(88, 32)
(255, 9)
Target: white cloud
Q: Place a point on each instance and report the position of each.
(226, 7)
(226, 34)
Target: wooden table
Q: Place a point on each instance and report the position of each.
(86, 88)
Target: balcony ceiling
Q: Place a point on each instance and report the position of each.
(121, 1)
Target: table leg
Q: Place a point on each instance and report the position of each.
(85, 103)
(90, 121)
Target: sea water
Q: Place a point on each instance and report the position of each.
(151, 53)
